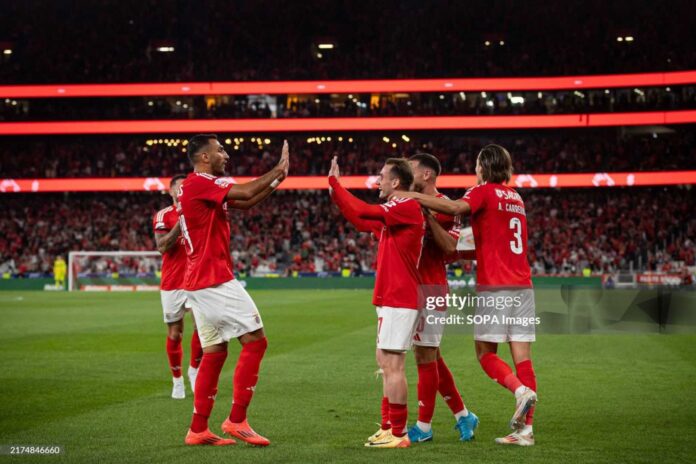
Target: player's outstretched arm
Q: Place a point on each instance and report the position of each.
(441, 205)
(255, 200)
(271, 179)
(168, 240)
(349, 205)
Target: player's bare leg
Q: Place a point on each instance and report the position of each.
(175, 354)
(384, 425)
(204, 397)
(246, 375)
(393, 368)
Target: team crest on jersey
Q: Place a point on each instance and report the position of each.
(222, 183)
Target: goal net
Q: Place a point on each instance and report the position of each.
(114, 270)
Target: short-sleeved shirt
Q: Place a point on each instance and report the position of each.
(206, 230)
(174, 259)
(499, 223)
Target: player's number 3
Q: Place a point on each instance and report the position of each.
(516, 245)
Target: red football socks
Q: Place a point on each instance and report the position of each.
(427, 391)
(447, 388)
(385, 425)
(498, 370)
(206, 389)
(196, 350)
(246, 374)
(398, 414)
(174, 353)
(525, 372)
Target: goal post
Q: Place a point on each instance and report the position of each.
(114, 270)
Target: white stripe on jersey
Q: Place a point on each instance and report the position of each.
(162, 212)
(206, 175)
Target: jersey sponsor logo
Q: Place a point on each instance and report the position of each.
(508, 194)
(222, 183)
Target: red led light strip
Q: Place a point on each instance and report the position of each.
(349, 86)
(140, 184)
(348, 124)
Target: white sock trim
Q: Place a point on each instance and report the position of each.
(424, 427)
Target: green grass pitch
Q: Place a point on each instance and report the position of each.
(89, 372)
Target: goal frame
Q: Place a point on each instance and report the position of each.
(73, 254)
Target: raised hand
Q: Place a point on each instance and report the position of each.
(284, 163)
(334, 170)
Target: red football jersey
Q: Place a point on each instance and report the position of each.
(499, 223)
(174, 259)
(432, 264)
(398, 255)
(206, 230)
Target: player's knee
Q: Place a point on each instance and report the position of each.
(425, 354)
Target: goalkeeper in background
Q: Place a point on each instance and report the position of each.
(59, 271)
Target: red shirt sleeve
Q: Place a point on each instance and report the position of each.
(209, 188)
(350, 208)
(402, 211)
(159, 224)
(476, 197)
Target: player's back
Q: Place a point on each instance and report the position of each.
(499, 223)
(206, 230)
(400, 248)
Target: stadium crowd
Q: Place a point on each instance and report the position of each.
(604, 229)
(569, 151)
(349, 105)
(135, 40)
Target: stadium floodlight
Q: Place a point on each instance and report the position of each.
(619, 39)
(7, 51)
(629, 38)
(114, 270)
(166, 49)
(517, 100)
(326, 46)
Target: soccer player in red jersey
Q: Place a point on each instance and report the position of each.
(399, 225)
(174, 303)
(505, 297)
(433, 373)
(223, 309)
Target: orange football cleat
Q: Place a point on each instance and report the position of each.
(244, 432)
(207, 438)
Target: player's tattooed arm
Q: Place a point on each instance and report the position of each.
(168, 240)
(257, 186)
(248, 204)
(441, 205)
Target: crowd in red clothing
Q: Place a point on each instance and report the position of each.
(606, 230)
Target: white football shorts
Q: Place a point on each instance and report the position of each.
(224, 312)
(174, 305)
(395, 328)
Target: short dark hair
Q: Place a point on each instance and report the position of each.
(429, 161)
(496, 164)
(196, 143)
(401, 170)
(177, 177)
